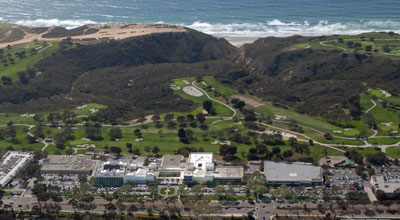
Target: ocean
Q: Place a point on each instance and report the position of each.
(234, 18)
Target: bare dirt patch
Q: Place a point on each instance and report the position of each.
(249, 101)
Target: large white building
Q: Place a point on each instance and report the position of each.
(170, 170)
(293, 174)
(11, 163)
(123, 171)
(201, 169)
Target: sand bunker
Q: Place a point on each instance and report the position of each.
(387, 124)
(280, 117)
(386, 94)
(81, 107)
(190, 90)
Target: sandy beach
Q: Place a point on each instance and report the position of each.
(238, 41)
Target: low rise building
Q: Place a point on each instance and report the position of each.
(122, 171)
(11, 163)
(386, 183)
(201, 169)
(68, 164)
(292, 174)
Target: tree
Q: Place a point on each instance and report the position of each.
(228, 152)
(137, 133)
(368, 48)
(60, 139)
(287, 154)
(155, 150)
(156, 120)
(115, 133)
(276, 150)
(93, 133)
(182, 135)
(201, 118)
(207, 105)
(328, 136)
(115, 150)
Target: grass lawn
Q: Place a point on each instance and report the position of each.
(20, 142)
(393, 152)
(11, 70)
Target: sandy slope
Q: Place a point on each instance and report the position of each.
(112, 31)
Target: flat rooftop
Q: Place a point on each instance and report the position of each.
(68, 163)
(224, 172)
(11, 163)
(291, 172)
(171, 161)
(197, 157)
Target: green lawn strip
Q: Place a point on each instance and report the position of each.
(305, 120)
(387, 141)
(11, 70)
(393, 152)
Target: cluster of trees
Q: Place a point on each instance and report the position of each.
(10, 131)
(261, 152)
(185, 135)
(185, 151)
(228, 152)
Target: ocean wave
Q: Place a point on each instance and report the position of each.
(278, 28)
(69, 24)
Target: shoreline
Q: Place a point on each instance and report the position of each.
(238, 41)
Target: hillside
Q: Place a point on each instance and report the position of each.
(315, 81)
(118, 72)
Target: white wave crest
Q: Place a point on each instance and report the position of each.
(278, 28)
(69, 24)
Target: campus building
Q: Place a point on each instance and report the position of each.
(292, 174)
(169, 170)
(122, 171)
(68, 164)
(201, 169)
(11, 163)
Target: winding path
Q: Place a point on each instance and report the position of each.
(209, 97)
(372, 107)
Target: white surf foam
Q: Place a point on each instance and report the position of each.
(278, 28)
(69, 24)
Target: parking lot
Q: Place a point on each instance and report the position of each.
(345, 180)
(65, 182)
(135, 190)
